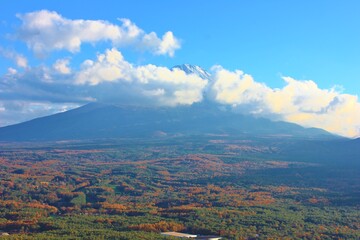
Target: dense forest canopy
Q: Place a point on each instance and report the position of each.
(135, 189)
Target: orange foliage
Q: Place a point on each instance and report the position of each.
(38, 205)
(17, 224)
(319, 200)
(113, 207)
(10, 204)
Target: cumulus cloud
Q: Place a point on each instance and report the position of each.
(237, 88)
(45, 31)
(110, 66)
(167, 45)
(299, 101)
(62, 66)
(159, 85)
(303, 102)
(108, 78)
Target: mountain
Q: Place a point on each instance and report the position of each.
(355, 142)
(96, 121)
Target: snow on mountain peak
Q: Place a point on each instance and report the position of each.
(193, 69)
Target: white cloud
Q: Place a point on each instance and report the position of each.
(19, 59)
(159, 85)
(301, 102)
(303, 96)
(19, 111)
(167, 45)
(62, 66)
(12, 71)
(45, 31)
(109, 67)
(236, 87)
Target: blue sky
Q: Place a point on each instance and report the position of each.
(283, 46)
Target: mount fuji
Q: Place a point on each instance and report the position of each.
(99, 121)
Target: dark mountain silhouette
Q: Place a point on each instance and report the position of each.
(95, 121)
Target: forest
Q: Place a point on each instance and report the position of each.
(243, 188)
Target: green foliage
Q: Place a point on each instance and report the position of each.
(79, 199)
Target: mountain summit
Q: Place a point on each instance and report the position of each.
(192, 69)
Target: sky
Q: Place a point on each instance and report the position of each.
(296, 61)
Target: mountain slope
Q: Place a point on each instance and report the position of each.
(94, 121)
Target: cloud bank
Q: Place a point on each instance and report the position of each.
(299, 101)
(31, 91)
